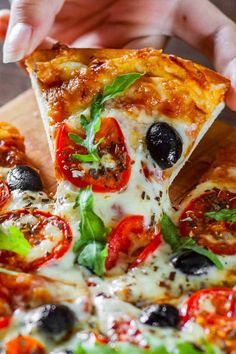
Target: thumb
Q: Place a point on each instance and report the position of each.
(30, 22)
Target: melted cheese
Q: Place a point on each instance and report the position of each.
(27, 199)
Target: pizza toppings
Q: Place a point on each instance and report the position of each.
(205, 220)
(54, 320)
(36, 238)
(92, 126)
(147, 251)
(130, 237)
(161, 315)
(215, 310)
(164, 144)
(104, 176)
(228, 215)
(4, 193)
(24, 178)
(24, 345)
(91, 245)
(131, 341)
(14, 241)
(171, 236)
(191, 263)
(5, 310)
(99, 247)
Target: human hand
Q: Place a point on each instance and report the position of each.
(121, 23)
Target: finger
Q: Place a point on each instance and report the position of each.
(47, 43)
(4, 20)
(30, 21)
(131, 26)
(207, 29)
(230, 72)
(157, 41)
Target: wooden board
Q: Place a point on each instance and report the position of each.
(23, 113)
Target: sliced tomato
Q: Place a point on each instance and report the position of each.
(24, 345)
(37, 228)
(4, 193)
(111, 174)
(27, 291)
(215, 310)
(130, 237)
(218, 236)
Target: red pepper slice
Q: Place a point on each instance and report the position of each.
(218, 236)
(35, 235)
(130, 237)
(148, 250)
(102, 178)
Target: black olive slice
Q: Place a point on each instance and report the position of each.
(56, 321)
(191, 263)
(24, 178)
(164, 144)
(161, 315)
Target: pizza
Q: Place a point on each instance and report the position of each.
(106, 265)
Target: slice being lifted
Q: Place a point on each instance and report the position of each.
(123, 122)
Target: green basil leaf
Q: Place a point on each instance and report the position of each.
(155, 346)
(186, 242)
(77, 139)
(93, 256)
(119, 85)
(91, 245)
(79, 350)
(95, 349)
(127, 348)
(84, 199)
(8, 272)
(92, 227)
(171, 236)
(208, 254)
(223, 215)
(83, 121)
(188, 348)
(96, 112)
(92, 157)
(14, 241)
(170, 232)
(116, 348)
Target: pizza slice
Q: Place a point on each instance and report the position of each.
(207, 214)
(120, 125)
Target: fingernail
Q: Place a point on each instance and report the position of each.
(17, 43)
